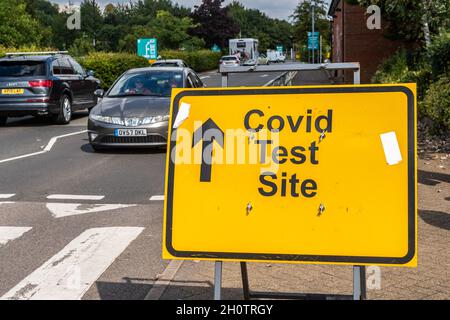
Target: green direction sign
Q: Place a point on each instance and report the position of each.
(215, 48)
(313, 40)
(280, 49)
(147, 48)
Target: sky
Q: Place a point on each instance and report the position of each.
(280, 9)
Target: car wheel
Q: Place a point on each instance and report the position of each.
(3, 120)
(65, 111)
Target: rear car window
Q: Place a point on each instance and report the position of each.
(229, 58)
(22, 68)
(165, 64)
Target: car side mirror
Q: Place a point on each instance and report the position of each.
(89, 73)
(99, 93)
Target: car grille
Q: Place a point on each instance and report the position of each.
(146, 139)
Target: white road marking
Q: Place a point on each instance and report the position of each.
(60, 210)
(10, 233)
(23, 156)
(157, 198)
(264, 75)
(6, 202)
(7, 195)
(46, 149)
(73, 270)
(74, 197)
(54, 139)
(164, 280)
(205, 77)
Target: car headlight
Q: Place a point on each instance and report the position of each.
(119, 121)
(155, 119)
(97, 117)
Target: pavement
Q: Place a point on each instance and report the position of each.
(75, 224)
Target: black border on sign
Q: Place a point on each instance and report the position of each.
(293, 257)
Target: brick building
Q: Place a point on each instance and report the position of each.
(352, 41)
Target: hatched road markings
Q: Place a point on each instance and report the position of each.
(7, 195)
(10, 233)
(70, 273)
(73, 197)
(60, 210)
(157, 198)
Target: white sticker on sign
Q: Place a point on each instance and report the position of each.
(391, 148)
(183, 114)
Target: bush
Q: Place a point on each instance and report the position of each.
(109, 66)
(436, 104)
(201, 60)
(81, 47)
(438, 54)
(395, 69)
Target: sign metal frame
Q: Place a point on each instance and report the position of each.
(359, 271)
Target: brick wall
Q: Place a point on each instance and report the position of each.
(354, 42)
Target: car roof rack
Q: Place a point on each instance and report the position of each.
(10, 54)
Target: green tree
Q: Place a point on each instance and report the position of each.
(214, 23)
(302, 17)
(91, 19)
(17, 27)
(171, 32)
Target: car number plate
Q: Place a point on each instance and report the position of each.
(13, 91)
(130, 132)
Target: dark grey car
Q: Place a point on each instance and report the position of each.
(135, 110)
(44, 83)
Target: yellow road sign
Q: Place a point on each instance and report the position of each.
(300, 174)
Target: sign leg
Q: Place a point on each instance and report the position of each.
(224, 80)
(245, 284)
(359, 282)
(218, 280)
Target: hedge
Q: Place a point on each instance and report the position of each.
(109, 66)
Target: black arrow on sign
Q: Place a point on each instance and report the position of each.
(208, 132)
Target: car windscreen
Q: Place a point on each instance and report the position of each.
(151, 83)
(22, 68)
